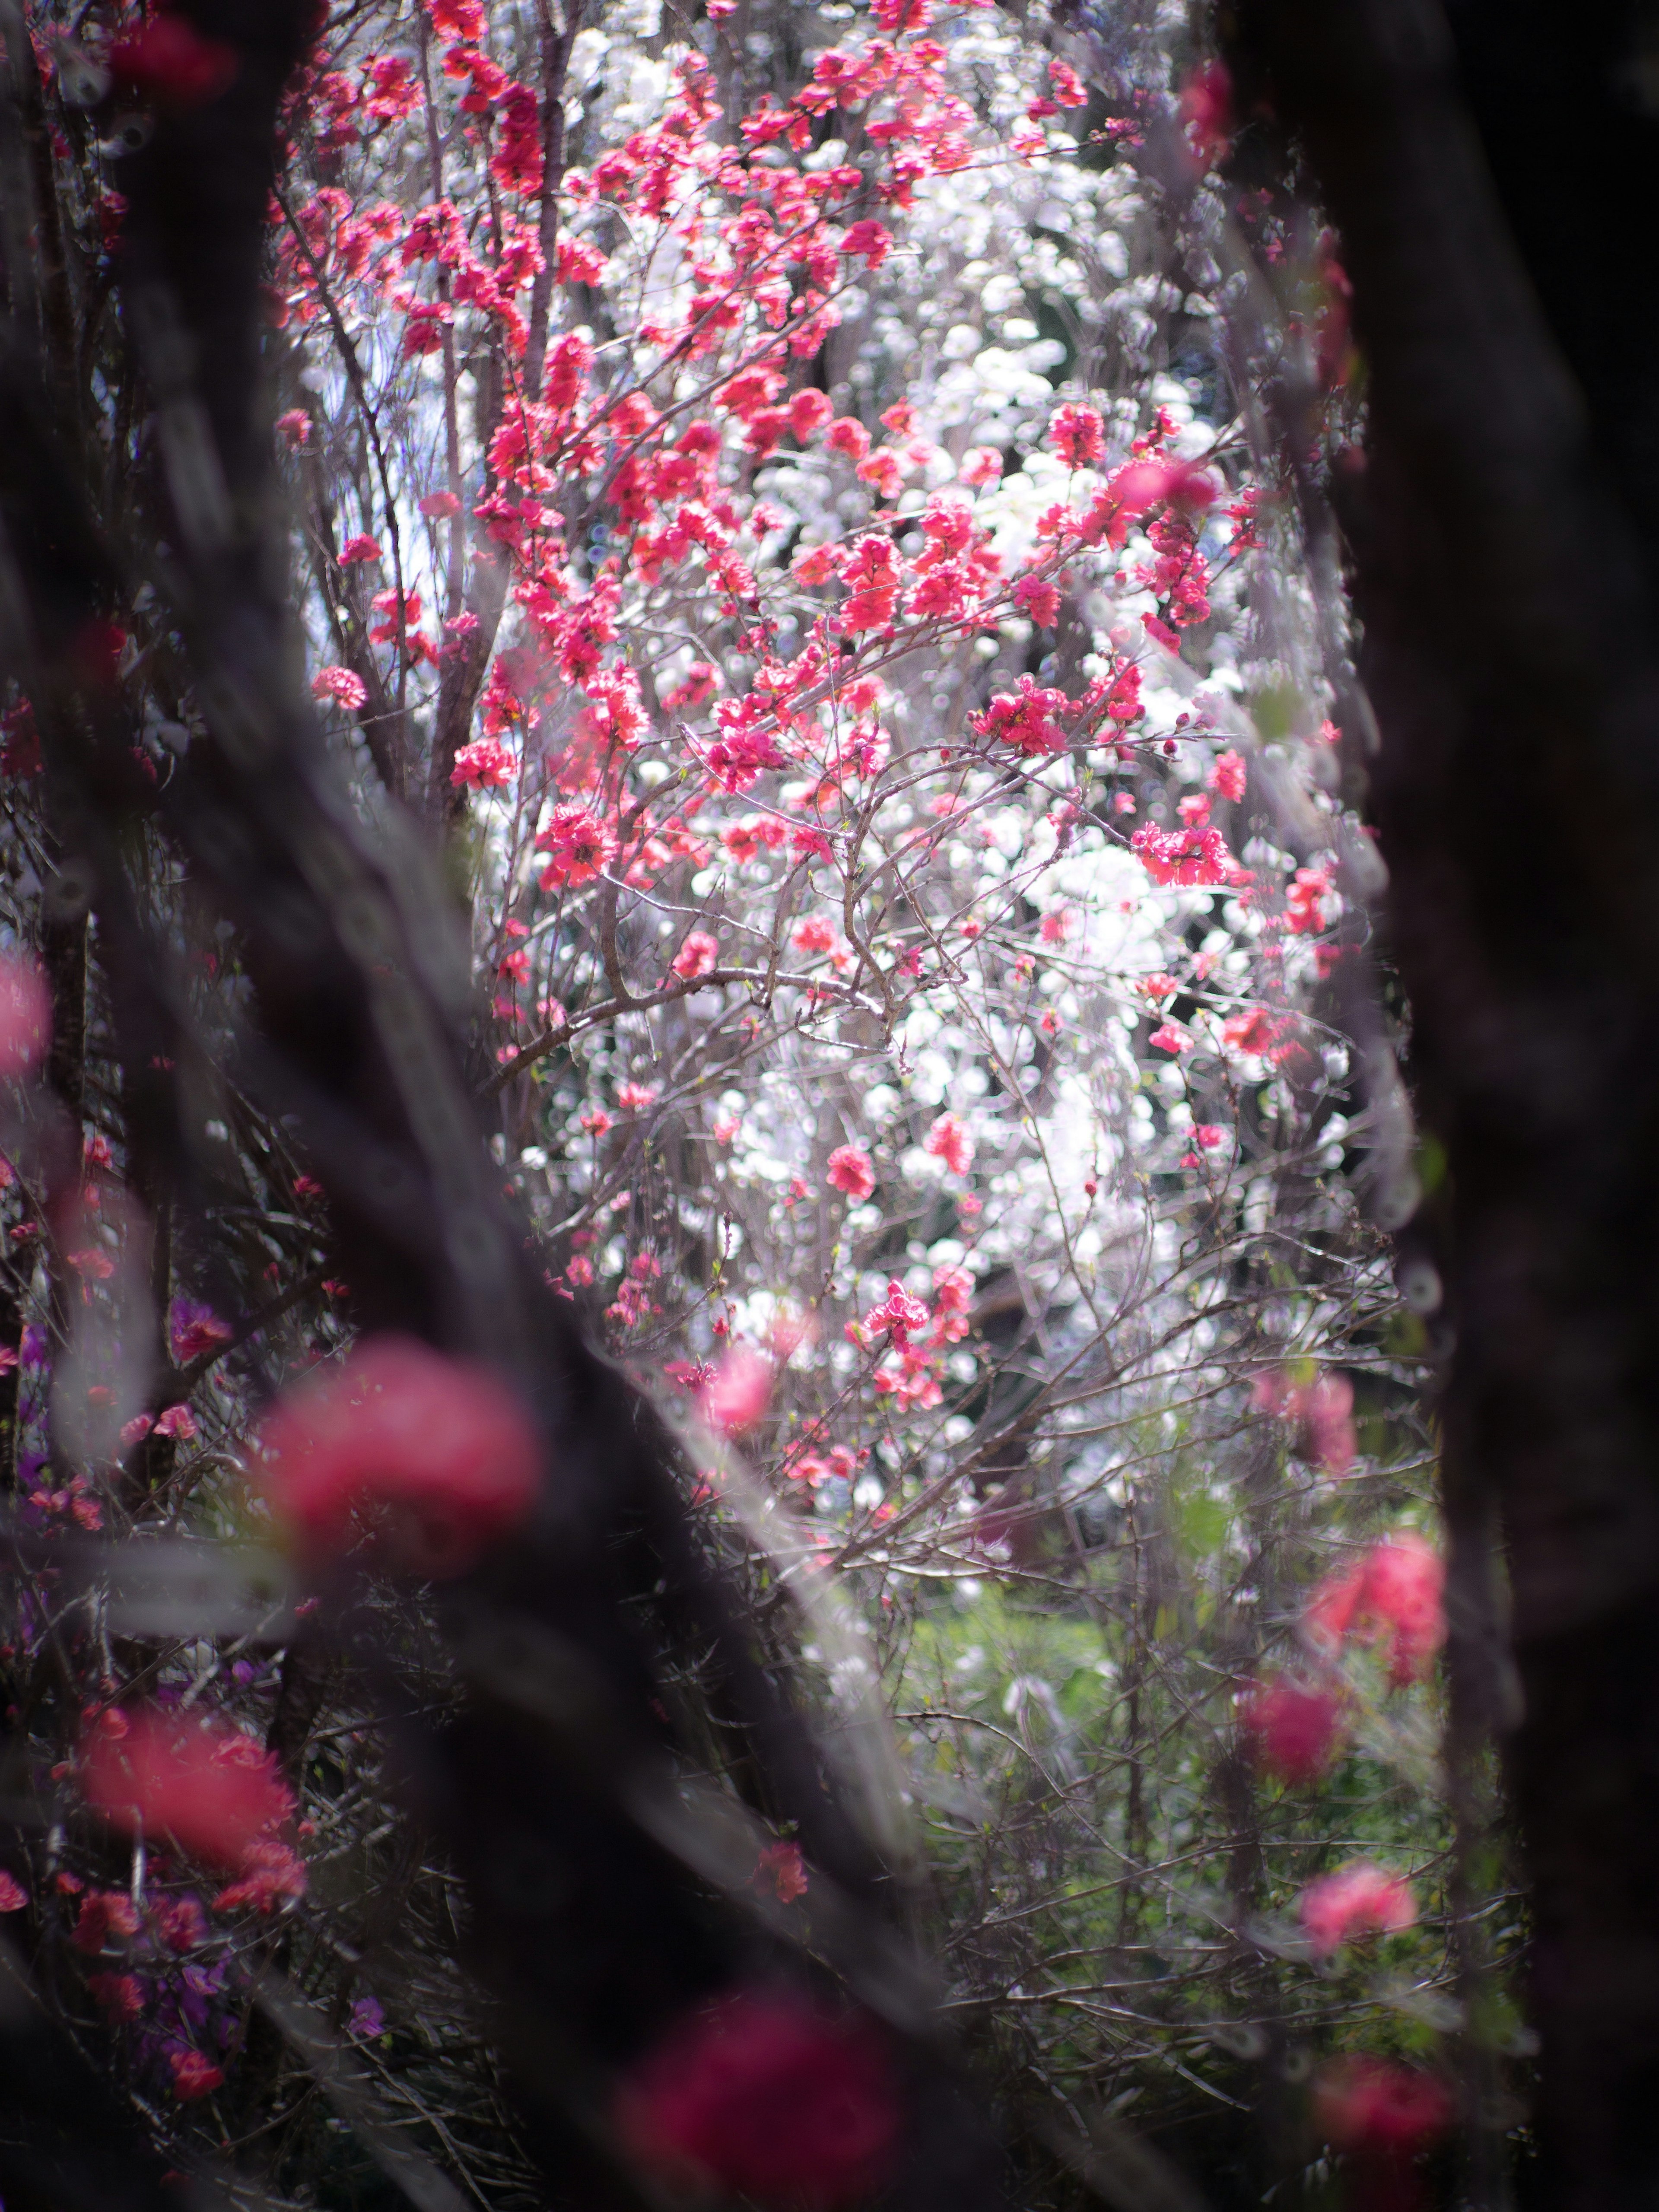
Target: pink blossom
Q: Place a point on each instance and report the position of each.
(809, 411)
(271, 1874)
(343, 685)
(1077, 435)
(1207, 1135)
(1036, 596)
(980, 465)
(767, 2098)
(1377, 2105)
(697, 955)
(194, 2075)
(781, 1872)
(439, 506)
(103, 1913)
(850, 1170)
(214, 1790)
(170, 62)
(1067, 86)
(1227, 775)
(634, 1097)
(1171, 1036)
(119, 1997)
(736, 1399)
(25, 1016)
(948, 1140)
(1186, 856)
(360, 547)
(13, 1896)
(439, 1448)
(1357, 1899)
(486, 764)
(194, 1330)
(869, 241)
(1323, 1407)
(1392, 1599)
(578, 845)
(899, 1315)
(1025, 718)
(1294, 1729)
(1206, 105)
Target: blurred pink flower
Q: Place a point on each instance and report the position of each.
(440, 1447)
(1357, 1899)
(1391, 1597)
(25, 1016)
(762, 2096)
(1294, 1729)
(736, 1399)
(214, 1790)
(1376, 2105)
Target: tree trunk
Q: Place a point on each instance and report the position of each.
(1503, 537)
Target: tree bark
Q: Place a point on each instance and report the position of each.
(1503, 537)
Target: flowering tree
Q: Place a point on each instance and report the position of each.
(799, 589)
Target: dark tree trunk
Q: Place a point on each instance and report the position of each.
(1505, 532)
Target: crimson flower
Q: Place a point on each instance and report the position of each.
(342, 685)
(948, 1140)
(1077, 435)
(1376, 2105)
(25, 1016)
(761, 2095)
(1294, 1729)
(214, 1790)
(1391, 1598)
(1357, 1899)
(735, 1398)
(171, 63)
(578, 845)
(438, 1448)
(697, 955)
(194, 2075)
(850, 1170)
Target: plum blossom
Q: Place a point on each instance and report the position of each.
(766, 2098)
(948, 1139)
(342, 685)
(25, 1016)
(1391, 1599)
(698, 954)
(214, 1790)
(439, 1448)
(735, 1397)
(851, 1169)
(486, 764)
(1377, 2105)
(781, 1872)
(194, 2075)
(1293, 1730)
(578, 845)
(1322, 1406)
(1357, 1899)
